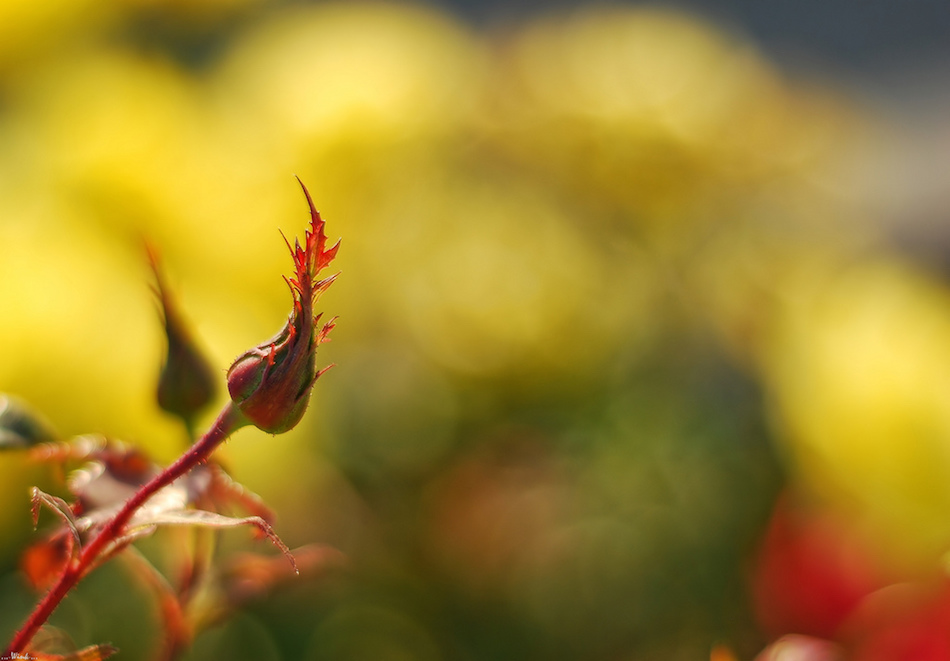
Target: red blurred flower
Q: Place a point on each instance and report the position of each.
(905, 622)
(810, 574)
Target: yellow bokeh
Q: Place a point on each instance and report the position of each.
(607, 287)
(858, 366)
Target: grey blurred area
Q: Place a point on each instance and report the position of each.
(871, 37)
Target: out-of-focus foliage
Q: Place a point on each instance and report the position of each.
(607, 289)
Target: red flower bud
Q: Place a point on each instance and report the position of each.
(271, 383)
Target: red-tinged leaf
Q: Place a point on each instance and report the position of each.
(59, 507)
(129, 465)
(177, 630)
(51, 639)
(98, 492)
(91, 653)
(248, 576)
(115, 473)
(104, 484)
(119, 544)
(205, 519)
(224, 491)
(49, 642)
(44, 561)
(120, 463)
(80, 448)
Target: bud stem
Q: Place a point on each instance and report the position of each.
(229, 421)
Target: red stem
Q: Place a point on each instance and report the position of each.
(228, 421)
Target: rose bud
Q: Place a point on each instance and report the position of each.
(187, 383)
(271, 383)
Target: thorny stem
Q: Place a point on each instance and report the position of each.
(228, 421)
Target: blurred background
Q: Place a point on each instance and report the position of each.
(644, 336)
